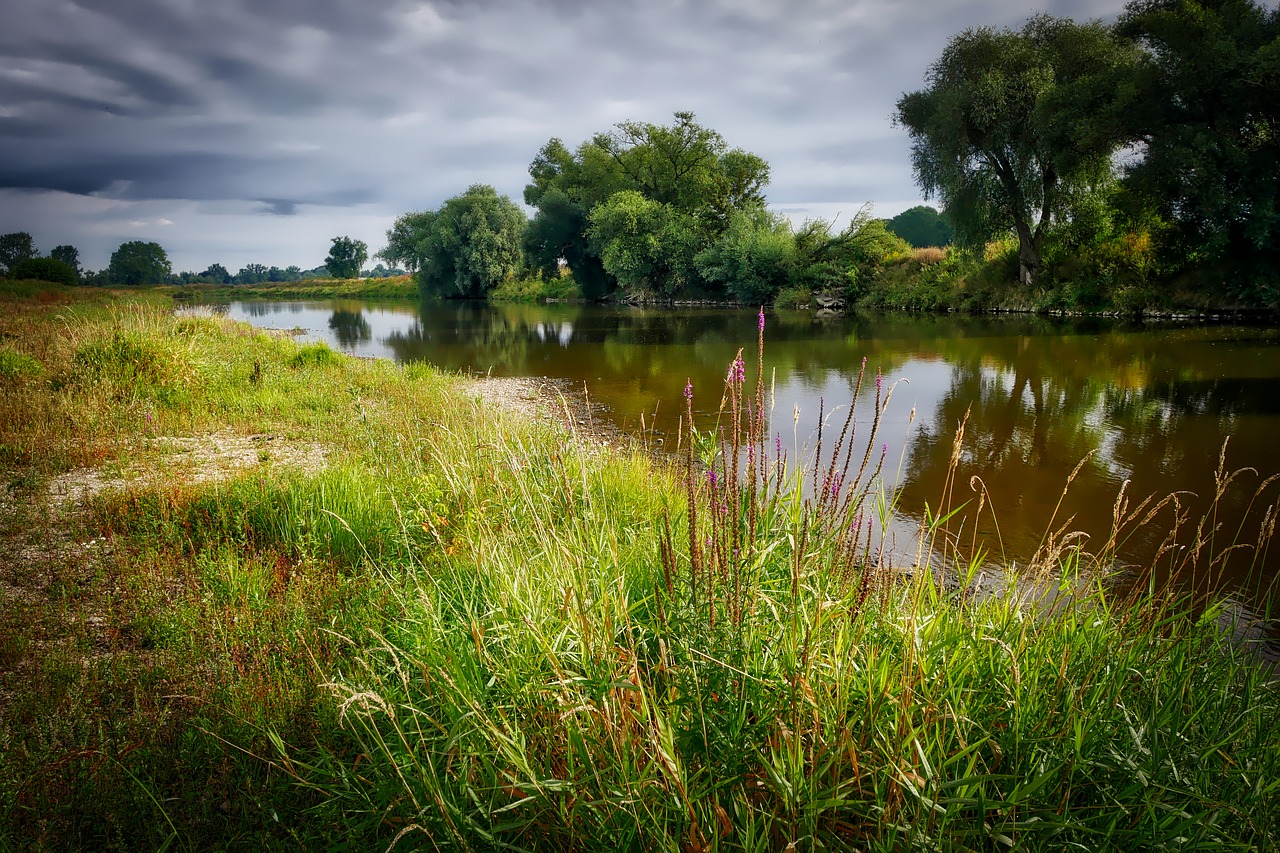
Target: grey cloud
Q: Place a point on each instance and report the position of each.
(279, 206)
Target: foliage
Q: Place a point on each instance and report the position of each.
(16, 366)
(922, 226)
(404, 237)
(256, 273)
(688, 176)
(647, 246)
(346, 257)
(137, 262)
(69, 255)
(1010, 127)
(1209, 120)
(216, 274)
(753, 259)
(314, 355)
(467, 247)
(45, 269)
(15, 247)
(846, 262)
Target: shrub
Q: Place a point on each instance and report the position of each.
(314, 355)
(45, 269)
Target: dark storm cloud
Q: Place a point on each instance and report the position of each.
(255, 117)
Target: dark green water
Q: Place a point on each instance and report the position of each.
(1148, 404)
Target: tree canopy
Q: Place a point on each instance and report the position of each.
(69, 255)
(1207, 113)
(1009, 129)
(466, 248)
(922, 226)
(137, 262)
(346, 257)
(682, 179)
(15, 247)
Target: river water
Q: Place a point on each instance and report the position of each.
(1151, 404)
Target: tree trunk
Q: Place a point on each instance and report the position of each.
(1028, 254)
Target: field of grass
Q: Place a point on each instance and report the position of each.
(260, 596)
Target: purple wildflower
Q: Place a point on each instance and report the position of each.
(712, 479)
(879, 379)
(761, 320)
(836, 483)
(884, 449)
(688, 389)
(864, 361)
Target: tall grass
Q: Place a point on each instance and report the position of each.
(761, 680)
(468, 632)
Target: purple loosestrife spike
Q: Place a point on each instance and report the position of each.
(688, 389)
(761, 320)
(864, 361)
(884, 448)
(712, 479)
(879, 379)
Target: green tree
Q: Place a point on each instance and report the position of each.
(470, 245)
(404, 237)
(1208, 114)
(254, 274)
(346, 257)
(45, 269)
(138, 262)
(647, 246)
(69, 255)
(753, 259)
(686, 168)
(217, 274)
(14, 248)
(922, 226)
(1012, 120)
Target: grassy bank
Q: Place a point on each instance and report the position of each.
(401, 287)
(257, 595)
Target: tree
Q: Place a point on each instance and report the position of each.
(346, 256)
(1208, 118)
(403, 238)
(753, 259)
(470, 245)
(45, 269)
(69, 255)
(216, 274)
(922, 226)
(645, 245)
(685, 167)
(253, 274)
(137, 262)
(1011, 119)
(14, 248)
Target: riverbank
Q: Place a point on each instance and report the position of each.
(399, 287)
(316, 597)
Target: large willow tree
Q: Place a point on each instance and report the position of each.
(1014, 124)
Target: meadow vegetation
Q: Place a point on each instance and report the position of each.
(454, 628)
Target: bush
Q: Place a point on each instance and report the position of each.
(314, 355)
(45, 269)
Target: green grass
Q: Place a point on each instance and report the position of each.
(465, 631)
(401, 287)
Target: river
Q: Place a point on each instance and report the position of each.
(1151, 404)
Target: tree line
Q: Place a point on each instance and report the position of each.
(138, 262)
(1104, 162)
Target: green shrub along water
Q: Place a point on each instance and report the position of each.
(464, 630)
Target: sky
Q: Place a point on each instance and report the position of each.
(246, 131)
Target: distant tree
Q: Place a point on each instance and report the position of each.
(216, 274)
(14, 248)
(252, 274)
(1207, 111)
(69, 255)
(346, 256)
(472, 243)
(922, 226)
(1011, 127)
(45, 269)
(292, 273)
(138, 262)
